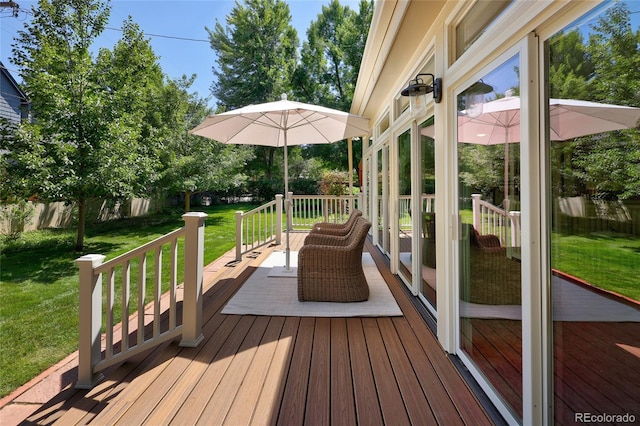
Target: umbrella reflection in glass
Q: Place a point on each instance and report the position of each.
(499, 123)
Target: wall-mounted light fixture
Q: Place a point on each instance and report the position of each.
(474, 98)
(417, 91)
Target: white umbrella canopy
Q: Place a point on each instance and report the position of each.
(499, 122)
(282, 123)
(569, 118)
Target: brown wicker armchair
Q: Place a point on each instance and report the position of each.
(337, 228)
(330, 267)
(489, 242)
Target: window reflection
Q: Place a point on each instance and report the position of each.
(428, 218)
(595, 238)
(489, 248)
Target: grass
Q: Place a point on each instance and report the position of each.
(606, 260)
(39, 284)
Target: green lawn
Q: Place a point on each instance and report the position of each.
(606, 260)
(39, 284)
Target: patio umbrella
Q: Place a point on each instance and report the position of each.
(499, 122)
(281, 124)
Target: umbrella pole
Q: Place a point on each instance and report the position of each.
(287, 204)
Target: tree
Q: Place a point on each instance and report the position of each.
(256, 55)
(193, 163)
(88, 139)
(329, 65)
(569, 66)
(614, 50)
(606, 69)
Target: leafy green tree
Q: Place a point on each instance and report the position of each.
(614, 50)
(192, 164)
(606, 69)
(329, 65)
(59, 77)
(93, 134)
(569, 66)
(256, 55)
(134, 82)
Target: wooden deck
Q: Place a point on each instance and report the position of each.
(596, 365)
(277, 370)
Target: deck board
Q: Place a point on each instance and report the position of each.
(276, 370)
(391, 404)
(343, 408)
(294, 399)
(368, 410)
(318, 406)
(410, 390)
(249, 390)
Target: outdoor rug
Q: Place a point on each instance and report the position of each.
(278, 296)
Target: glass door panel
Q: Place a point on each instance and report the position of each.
(382, 198)
(489, 268)
(594, 189)
(405, 211)
(428, 215)
(379, 198)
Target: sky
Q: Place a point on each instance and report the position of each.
(166, 19)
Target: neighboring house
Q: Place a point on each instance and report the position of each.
(505, 306)
(14, 105)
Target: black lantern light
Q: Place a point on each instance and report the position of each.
(474, 98)
(417, 91)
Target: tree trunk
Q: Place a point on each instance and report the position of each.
(82, 213)
(271, 152)
(187, 201)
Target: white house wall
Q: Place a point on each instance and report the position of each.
(403, 38)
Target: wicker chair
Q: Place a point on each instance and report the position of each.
(337, 228)
(330, 267)
(488, 243)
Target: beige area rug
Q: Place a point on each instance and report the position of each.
(278, 296)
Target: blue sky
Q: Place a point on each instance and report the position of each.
(185, 19)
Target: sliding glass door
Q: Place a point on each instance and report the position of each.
(490, 304)
(594, 189)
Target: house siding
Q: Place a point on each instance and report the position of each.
(13, 102)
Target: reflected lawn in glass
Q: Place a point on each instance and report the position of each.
(606, 260)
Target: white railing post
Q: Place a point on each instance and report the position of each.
(325, 209)
(515, 228)
(475, 207)
(278, 219)
(89, 350)
(193, 275)
(238, 236)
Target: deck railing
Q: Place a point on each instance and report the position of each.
(489, 219)
(96, 303)
(404, 209)
(258, 227)
(306, 210)
(263, 225)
